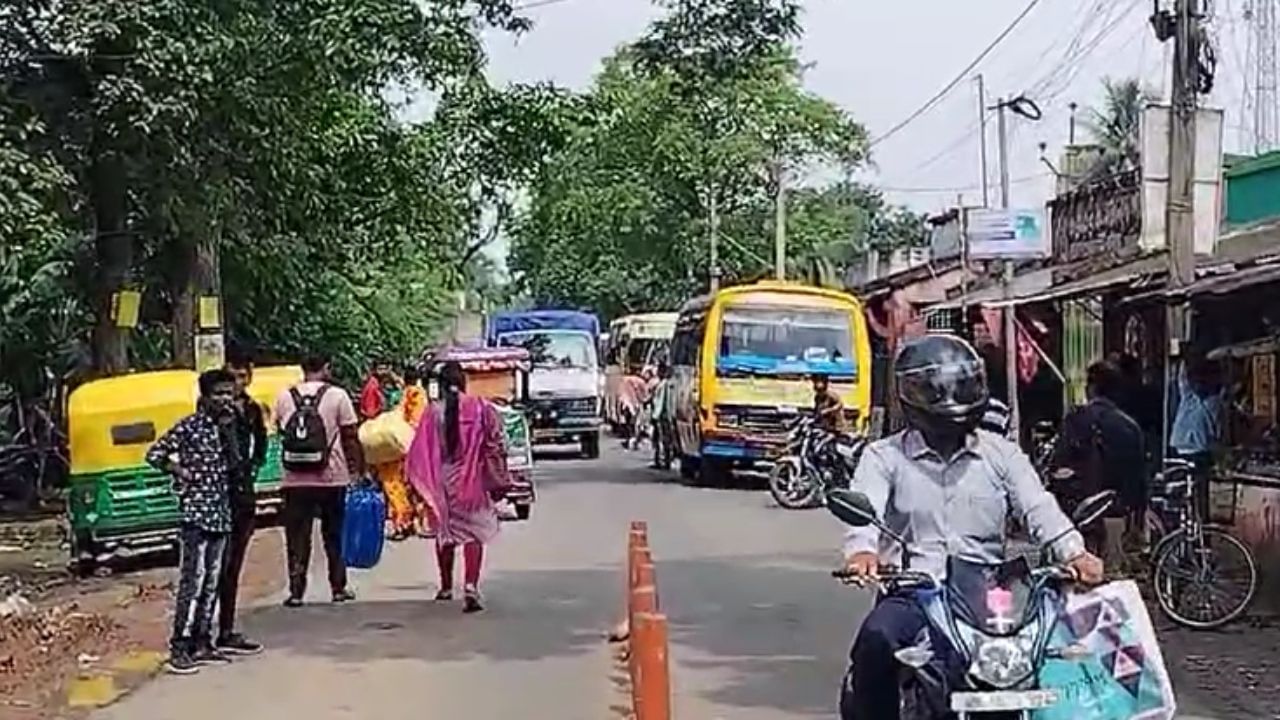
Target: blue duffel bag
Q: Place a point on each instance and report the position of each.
(362, 527)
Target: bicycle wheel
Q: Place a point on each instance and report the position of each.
(1206, 582)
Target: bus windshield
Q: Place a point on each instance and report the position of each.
(786, 334)
(553, 349)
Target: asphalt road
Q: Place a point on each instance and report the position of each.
(758, 629)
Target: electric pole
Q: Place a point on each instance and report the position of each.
(1179, 212)
(780, 222)
(982, 139)
(1010, 325)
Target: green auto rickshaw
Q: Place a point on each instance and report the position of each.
(119, 505)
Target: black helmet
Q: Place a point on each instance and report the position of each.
(941, 383)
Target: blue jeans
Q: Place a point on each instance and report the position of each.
(870, 690)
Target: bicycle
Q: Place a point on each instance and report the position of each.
(1196, 565)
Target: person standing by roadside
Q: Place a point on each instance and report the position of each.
(322, 455)
(200, 452)
(251, 439)
(1198, 421)
(458, 464)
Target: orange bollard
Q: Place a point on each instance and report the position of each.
(651, 687)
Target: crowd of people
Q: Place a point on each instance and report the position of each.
(447, 487)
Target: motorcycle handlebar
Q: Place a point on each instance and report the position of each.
(886, 577)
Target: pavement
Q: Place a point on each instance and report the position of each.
(759, 631)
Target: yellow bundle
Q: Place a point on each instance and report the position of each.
(386, 438)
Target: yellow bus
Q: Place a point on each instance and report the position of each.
(742, 361)
(634, 342)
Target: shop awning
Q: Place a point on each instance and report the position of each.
(1023, 285)
(1038, 286)
(1248, 348)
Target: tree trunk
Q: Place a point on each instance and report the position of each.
(113, 249)
(198, 276)
(113, 243)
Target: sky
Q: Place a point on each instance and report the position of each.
(881, 61)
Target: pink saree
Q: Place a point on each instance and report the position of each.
(458, 490)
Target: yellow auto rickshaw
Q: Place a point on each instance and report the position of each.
(118, 504)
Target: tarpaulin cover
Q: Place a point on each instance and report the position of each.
(488, 359)
(504, 323)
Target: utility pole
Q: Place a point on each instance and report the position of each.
(1179, 211)
(714, 243)
(1010, 326)
(1179, 217)
(780, 222)
(982, 140)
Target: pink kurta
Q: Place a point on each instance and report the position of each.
(458, 489)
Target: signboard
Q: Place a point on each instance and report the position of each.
(1206, 186)
(944, 240)
(1013, 234)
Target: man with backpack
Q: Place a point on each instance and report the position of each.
(321, 454)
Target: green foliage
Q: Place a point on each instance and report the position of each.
(1116, 124)
(261, 131)
(707, 107)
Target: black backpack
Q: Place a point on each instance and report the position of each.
(304, 442)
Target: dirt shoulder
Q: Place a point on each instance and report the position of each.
(1232, 673)
(79, 645)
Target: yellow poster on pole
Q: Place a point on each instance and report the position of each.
(126, 306)
(210, 312)
(210, 351)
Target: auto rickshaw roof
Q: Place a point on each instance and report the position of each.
(485, 359)
(136, 391)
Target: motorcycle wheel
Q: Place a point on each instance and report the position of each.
(791, 491)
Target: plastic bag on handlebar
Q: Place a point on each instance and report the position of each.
(1122, 674)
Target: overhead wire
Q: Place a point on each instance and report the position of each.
(946, 90)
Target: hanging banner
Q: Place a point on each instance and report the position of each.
(125, 307)
(1013, 234)
(210, 312)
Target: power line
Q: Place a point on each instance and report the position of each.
(958, 188)
(931, 102)
(531, 4)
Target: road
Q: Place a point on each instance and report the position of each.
(758, 629)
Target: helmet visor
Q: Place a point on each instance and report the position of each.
(953, 387)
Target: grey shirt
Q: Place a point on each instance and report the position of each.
(954, 507)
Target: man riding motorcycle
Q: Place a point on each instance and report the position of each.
(827, 405)
(948, 486)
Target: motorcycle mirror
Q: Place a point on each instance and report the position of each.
(851, 507)
(1093, 507)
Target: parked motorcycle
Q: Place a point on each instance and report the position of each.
(997, 617)
(814, 462)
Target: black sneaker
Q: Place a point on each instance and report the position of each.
(344, 596)
(293, 602)
(210, 655)
(237, 644)
(180, 662)
(471, 602)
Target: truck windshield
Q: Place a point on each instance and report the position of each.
(553, 349)
(786, 333)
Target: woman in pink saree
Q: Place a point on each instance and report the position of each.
(458, 464)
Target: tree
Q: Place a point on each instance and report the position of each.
(706, 107)
(1116, 125)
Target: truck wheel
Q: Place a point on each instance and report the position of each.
(714, 473)
(522, 512)
(591, 446)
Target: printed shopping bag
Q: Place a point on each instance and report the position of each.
(1119, 673)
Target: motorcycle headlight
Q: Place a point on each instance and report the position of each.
(1002, 662)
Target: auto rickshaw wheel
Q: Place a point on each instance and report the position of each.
(84, 559)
